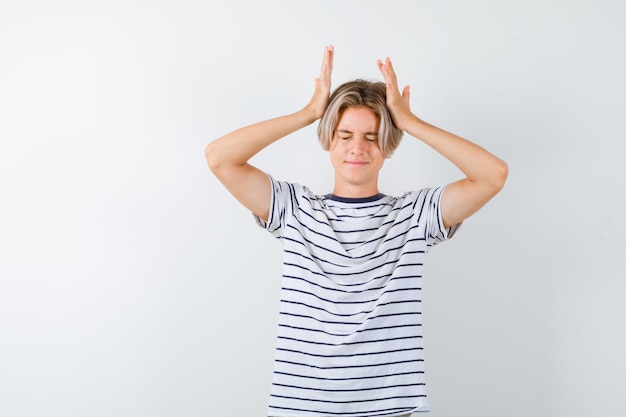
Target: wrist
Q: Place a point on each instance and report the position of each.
(308, 115)
(409, 123)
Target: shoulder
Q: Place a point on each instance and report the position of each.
(294, 193)
(419, 198)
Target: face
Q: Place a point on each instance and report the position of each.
(355, 154)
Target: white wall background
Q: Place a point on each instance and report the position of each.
(131, 284)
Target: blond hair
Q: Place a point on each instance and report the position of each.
(371, 94)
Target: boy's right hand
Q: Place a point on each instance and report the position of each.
(319, 101)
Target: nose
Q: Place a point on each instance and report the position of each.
(358, 144)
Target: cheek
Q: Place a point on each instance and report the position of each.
(334, 153)
(374, 150)
(338, 146)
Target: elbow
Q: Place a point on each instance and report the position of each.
(212, 159)
(220, 158)
(500, 174)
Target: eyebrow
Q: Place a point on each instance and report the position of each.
(349, 131)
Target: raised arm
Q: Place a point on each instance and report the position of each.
(228, 156)
(485, 173)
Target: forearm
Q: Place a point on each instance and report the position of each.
(475, 162)
(237, 147)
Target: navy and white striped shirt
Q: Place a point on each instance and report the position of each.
(349, 333)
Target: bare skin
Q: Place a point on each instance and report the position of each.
(485, 173)
(228, 156)
(355, 154)
(355, 157)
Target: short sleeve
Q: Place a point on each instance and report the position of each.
(282, 201)
(431, 213)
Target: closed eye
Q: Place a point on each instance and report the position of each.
(345, 134)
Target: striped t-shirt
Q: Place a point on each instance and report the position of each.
(349, 333)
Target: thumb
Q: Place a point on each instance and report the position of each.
(406, 93)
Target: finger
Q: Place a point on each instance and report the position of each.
(388, 73)
(406, 93)
(327, 63)
(331, 57)
(383, 70)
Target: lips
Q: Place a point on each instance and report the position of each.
(356, 163)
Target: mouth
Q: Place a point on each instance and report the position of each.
(356, 163)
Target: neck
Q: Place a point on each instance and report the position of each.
(355, 191)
